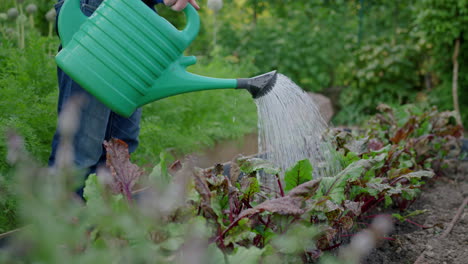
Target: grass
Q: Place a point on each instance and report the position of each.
(190, 122)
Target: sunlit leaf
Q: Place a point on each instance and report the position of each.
(249, 165)
(300, 173)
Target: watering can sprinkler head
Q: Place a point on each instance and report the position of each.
(259, 85)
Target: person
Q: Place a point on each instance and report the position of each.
(98, 122)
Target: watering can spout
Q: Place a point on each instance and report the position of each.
(177, 80)
(259, 85)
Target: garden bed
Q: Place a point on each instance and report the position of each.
(441, 197)
(236, 216)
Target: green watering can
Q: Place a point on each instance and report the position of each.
(126, 55)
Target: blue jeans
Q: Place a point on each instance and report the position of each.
(97, 122)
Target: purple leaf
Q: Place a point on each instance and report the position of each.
(124, 173)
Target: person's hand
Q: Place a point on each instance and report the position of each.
(179, 5)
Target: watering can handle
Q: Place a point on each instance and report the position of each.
(71, 18)
(193, 23)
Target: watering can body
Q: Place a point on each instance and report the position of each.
(126, 55)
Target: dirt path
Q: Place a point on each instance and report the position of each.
(442, 197)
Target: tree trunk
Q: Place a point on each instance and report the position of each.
(455, 81)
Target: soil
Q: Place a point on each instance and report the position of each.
(442, 197)
(225, 151)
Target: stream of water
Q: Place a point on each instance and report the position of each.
(290, 129)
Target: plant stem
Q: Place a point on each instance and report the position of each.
(31, 21)
(332, 247)
(215, 29)
(6, 234)
(233, 224)
(2, 30)
(128, 194)
(18, 31)
(406, 220)
(396, 180)
(260, 219)
(280, 185)
(231, 217)
(21, 27)
(416, 224)
(51, 27)
(371, 205)
(455, 81)
(246, 203)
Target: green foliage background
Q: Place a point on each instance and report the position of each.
(359, 53)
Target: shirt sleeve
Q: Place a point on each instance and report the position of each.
(158, 1)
